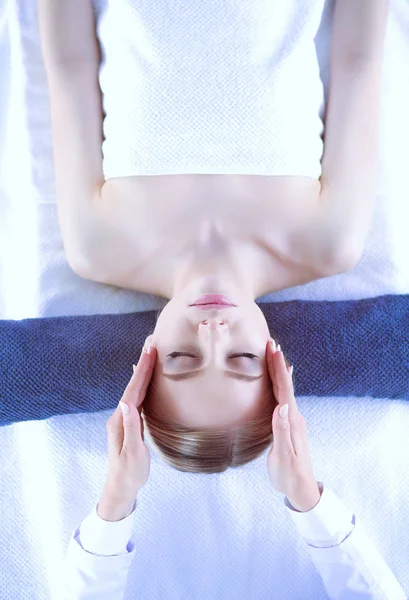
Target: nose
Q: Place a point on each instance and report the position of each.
(213, 321)
(212, 333)
(215, 324)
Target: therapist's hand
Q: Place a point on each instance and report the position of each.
(128, 456)
(288, 462)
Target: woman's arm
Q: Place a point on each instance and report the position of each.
(67, 31)
(71, 58)
(350, 160)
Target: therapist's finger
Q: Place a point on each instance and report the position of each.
(136, 389)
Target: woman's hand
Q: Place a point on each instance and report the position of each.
(288, 462)
(128, 456)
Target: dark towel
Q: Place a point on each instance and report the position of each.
(64, 365)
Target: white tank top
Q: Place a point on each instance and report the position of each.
(215, 86)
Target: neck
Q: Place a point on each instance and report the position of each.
(216, 264)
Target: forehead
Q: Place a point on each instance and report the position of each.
(208, 400)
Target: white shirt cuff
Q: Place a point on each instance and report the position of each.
(105, 538)
(326, 525)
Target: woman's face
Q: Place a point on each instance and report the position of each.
(210, 387)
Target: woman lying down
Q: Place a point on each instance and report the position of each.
(190, 165)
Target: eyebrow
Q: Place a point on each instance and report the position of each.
(192, 374)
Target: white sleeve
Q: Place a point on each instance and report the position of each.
(98, 559)
(348, 562)
(97, 565)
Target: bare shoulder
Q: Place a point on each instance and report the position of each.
(295, 228)
(137, 224)
(114, 244)
(285, 272)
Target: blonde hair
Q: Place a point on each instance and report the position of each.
(207, 450)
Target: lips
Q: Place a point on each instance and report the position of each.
(213, 301)
(212, 306)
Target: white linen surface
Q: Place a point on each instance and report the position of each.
(52, 471)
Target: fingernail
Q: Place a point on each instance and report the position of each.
(278, 348)
(291, 370)
(134, 368)
(283, 411)
(124, 408)
(148, 344)
(273, 344)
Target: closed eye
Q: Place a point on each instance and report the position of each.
(246, 354)
(233, 374)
